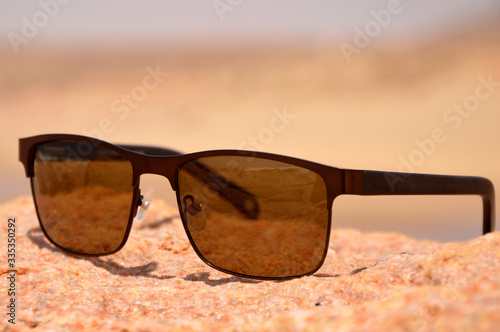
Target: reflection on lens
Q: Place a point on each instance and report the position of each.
(83, 195)
(287, 238)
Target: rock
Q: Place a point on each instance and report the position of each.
(370, 281)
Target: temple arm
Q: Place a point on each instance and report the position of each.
(392, 183)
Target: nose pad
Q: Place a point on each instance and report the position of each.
(194, 213)
(145, 203)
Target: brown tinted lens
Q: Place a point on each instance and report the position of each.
(83, 195)
(255, 217)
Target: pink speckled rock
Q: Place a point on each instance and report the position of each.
(370, 281)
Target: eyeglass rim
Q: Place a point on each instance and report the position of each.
(28, 148)
(185, 224)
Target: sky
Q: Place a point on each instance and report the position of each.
(157, 23)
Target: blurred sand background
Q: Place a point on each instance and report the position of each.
(227, 80)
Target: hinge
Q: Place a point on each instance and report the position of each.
(353, 181)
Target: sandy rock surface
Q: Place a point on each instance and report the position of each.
(370, 281)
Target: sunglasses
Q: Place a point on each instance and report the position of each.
(249, 214)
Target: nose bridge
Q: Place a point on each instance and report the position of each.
(158, 165)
